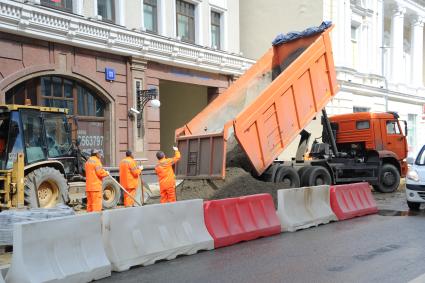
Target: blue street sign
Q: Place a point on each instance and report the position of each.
(109, 74)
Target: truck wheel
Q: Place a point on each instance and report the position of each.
(316, 176)
(301, 173)
(111, 193)
(389, 179)
(413, 205)
(45, 187)
(288, 176)
(270, 174)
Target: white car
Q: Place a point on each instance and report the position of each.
(415, 180)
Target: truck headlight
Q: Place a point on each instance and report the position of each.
(412, 175)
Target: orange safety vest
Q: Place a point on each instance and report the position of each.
(94, 174)
(129, 173)
(165, 172)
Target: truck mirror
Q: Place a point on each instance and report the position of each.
(410, 160)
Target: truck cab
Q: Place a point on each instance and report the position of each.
(363, 133)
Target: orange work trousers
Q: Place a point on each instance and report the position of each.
(128, 201)
(94, 201)
(168, 194)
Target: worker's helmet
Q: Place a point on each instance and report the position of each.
(128, 153)
(94, 151)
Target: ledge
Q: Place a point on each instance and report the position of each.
(37, 22)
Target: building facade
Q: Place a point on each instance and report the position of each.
(378, 52)
(89, 57)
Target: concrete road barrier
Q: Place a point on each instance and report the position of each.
(301, 208)
(1, 278)
(352, 200)
(65, 249)
(234, 220)
(144, 235)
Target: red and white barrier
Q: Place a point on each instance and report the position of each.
(234, 220)
(352, 200)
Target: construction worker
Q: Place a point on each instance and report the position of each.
(167, 181)
(129, 177)
(94, 175)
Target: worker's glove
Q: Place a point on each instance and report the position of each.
(141, 167)
(175, 148)
(109, 173)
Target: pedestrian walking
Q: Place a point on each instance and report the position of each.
(94, 175)
(167, 179)
(129, 177)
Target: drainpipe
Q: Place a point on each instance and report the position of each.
(382, 59)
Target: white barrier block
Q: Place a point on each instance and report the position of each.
(301, 208)
(65, 249)
(1, 278)
(143, 235)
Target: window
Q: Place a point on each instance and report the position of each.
(54, 91)
(150, 12)
(354, 32)
(361, 125)
(392, 128)
(185, 21)
(215, 30)
(88, 104)
(360, 109)
(411, 129)
(106, 9)
(33, 137)
(58, 143)
(57, 92)
(65, 5)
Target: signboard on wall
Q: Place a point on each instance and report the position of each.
(91, 135)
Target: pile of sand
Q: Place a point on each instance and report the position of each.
(237, 183)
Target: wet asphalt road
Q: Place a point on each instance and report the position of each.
(368, 249)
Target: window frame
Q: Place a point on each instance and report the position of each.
(191, 20)
(155, 7)
(50, 4)
(362, 128)
(217, 25)
(113, 12)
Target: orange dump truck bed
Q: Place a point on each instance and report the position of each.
(265, 109)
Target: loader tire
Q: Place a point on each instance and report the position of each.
(111, 193)
(45, 187)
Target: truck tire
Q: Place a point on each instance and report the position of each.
(389, 179)
(111, 193)
(288, 176)
(413, 205)
(301, 172)
(270, 174)
(45, 187)
(316, 176)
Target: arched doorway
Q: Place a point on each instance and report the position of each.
(86, 107)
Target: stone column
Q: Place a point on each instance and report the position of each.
(417, 31)
(397, 37)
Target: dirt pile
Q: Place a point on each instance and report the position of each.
(237, 183)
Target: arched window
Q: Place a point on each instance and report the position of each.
(55, 91)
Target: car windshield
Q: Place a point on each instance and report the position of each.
(420, 160)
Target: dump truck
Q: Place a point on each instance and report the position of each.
(265, 110)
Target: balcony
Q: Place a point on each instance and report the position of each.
(51, 25)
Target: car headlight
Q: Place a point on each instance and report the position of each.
(412, 175)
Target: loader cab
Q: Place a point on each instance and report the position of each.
(41, 133)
